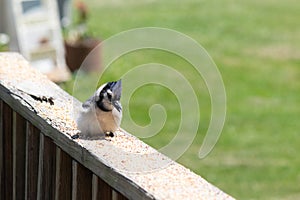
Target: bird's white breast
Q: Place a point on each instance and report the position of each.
(93, 121)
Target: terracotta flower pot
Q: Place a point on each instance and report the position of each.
(77, 52)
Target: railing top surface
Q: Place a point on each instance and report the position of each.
(126, 163)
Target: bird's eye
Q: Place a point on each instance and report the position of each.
(109, 95)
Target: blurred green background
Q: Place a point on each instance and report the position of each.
(255, 45)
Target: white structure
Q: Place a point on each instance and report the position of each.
(34, 30)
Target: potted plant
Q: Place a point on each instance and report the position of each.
(79, 43)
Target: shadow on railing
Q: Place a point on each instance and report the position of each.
(39, 160)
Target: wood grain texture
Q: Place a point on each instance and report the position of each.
(104, 191)
(20, 156)
(48, 170)
(83, 183)
(8, 151)
(32, 161)
(2, 188)
(63, 176)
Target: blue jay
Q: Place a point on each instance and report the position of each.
(101, 114)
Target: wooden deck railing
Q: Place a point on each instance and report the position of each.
(39, 160)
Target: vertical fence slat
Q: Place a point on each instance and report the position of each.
(94, 187)
(1, 152)
(8, 151)
(19, 155)
(40, 167)
(74, 179)
(63, 176)
(83, 183)
(104, 191)
(48, 173)
(32, 161)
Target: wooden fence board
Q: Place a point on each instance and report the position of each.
(20, 155)
(48, 172)
(2, 188)
(63, 176)
(83, 183)
(104, 190)
(8, 151)
(32, 161)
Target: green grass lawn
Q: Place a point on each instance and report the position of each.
(255, 45)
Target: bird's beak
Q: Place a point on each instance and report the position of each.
(116, 88)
